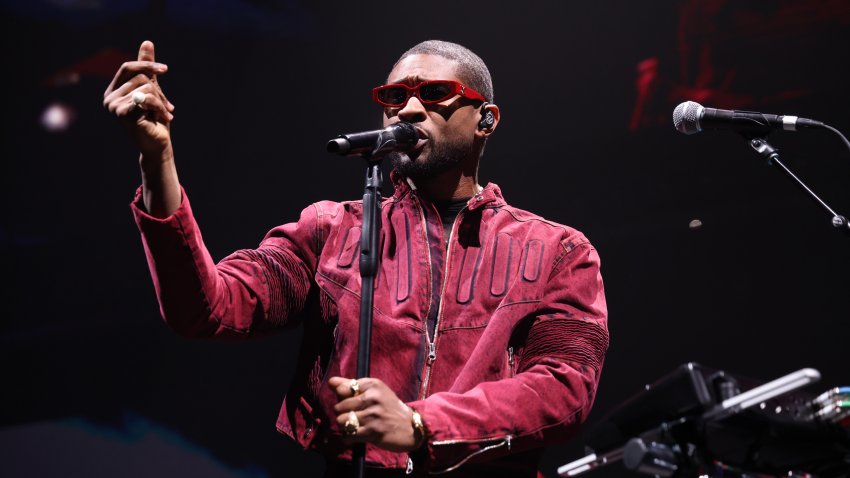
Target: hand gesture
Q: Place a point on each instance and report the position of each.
(136, 98)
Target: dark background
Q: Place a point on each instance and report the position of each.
(95, 385)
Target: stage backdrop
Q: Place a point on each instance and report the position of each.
(708, 253)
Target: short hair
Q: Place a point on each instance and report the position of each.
(471, 68)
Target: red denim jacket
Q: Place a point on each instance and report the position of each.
(521, 325)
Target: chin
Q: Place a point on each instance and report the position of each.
(419, 154)
(404, 161)
(425, 163)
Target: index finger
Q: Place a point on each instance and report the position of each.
(146, 51)
(342, 386)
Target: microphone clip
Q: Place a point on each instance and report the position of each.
(762, 147)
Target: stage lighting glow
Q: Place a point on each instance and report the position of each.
(57, 118)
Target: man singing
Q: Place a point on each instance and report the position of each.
(490, 323)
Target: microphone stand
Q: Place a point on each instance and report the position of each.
(771, 154)
(369, 263)
(385, 141)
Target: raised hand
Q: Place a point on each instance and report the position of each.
(136, 98)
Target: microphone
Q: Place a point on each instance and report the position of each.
(690, 117)
(396, 137)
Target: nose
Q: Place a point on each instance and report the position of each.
(413, 112)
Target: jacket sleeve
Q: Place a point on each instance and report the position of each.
(556, 380)
(249, 291)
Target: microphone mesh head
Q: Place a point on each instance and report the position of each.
(686, 117)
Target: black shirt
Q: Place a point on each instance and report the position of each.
(449, 209)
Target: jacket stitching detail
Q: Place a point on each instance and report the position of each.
(567, 251)
(269, 260)
(511, 211)
(518, 302)
(463, 327)
(399, 297)
(325, 276)
(504, 286)
(479, 257)
(319, 237)
(525, 276)
(329, 279)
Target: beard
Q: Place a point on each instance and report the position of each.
(440, 158)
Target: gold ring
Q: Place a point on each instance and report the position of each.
(352, 424)
(355, 387)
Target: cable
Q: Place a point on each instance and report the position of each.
(846, 143)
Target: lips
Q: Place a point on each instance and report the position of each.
(421, 132)
(423, 138)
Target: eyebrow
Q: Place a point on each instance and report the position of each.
(410, 80)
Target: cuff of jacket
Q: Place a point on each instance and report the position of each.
(164, 237)
(445, 451)
(175, 253)
(146, 221)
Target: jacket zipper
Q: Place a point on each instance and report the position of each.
(432, 341)
(511, 360)
(432, 345)
(431, 351)
(506, 441)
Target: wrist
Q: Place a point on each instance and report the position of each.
(161, 194)
(419, 432)
(153, 163)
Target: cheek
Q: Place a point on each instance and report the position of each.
(460, 131)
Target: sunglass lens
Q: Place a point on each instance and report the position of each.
(435, 91)
(393, 95)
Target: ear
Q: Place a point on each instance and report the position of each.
(489, 119)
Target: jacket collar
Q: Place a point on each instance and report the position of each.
(491, 194)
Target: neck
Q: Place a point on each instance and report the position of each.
(452, 184)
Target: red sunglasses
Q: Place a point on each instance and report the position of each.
(429, 92)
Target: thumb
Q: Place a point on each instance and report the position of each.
(146, 51)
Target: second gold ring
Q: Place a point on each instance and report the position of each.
(352, 424)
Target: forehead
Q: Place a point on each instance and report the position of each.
(416, 68)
